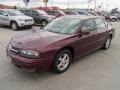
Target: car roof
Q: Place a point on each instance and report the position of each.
(82, 17)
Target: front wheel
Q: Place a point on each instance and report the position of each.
(62, 61)
(114, 20)
(14, 26)
(44, 23)
(107, 43)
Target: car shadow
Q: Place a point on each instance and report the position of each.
(21, 29)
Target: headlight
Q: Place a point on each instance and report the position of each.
(50, 19)
(29, 54)
(21, 20)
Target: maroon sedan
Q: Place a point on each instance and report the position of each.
(59, 43)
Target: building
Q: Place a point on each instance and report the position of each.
(2, 6)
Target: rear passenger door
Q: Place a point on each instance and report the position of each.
(101, 28)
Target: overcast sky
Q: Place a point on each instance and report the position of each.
(64, 3)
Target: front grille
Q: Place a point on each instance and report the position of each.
(14, 50)
(28, 20)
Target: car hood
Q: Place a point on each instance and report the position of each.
(36, 39)
(21, 17)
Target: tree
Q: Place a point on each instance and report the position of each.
(114, 10)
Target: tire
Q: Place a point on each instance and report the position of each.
(114, 20)
(108, 20)
(62, 61)
(14, 26)
(107, 43)
(44, 23)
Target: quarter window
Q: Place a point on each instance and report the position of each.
(100, 24)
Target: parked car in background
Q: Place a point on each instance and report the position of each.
(117, 15)
(59, 43)
(39, 16)
(78, 12)
(93, 13)
(108, 16)
(15, 19)
(67, 12)
(56, 13)
(86, 13)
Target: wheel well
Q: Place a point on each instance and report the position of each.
(70, 48)
(111, 36)
(12, 22)
(43, 20)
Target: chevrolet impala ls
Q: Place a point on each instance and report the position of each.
(59, 43)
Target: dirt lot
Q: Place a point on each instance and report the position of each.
(99, 70)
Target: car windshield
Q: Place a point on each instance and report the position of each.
(42, 12)
(14, 13)
(64, 25)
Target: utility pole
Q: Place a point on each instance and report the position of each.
(107, 5)
(68, 3)
(51, 3)
(95, 5)
(89, 4)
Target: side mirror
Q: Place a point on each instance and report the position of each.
(85, 30)
(5, 14)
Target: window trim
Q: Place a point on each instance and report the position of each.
(88, 20)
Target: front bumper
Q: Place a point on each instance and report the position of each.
(22, 24)
(30, 64)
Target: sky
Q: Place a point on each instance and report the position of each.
(106, 4)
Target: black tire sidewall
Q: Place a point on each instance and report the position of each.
(55, 68)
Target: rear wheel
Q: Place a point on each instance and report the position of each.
(14, 26)
(62, 61)
(107, 43)
(114, 20)
(108, 20)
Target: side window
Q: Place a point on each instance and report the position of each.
(21, 11)
(100, 24)
(1, 12)
(82, 13)
(27, 12)
(34, 13)
(50, 13)
(90, 25)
